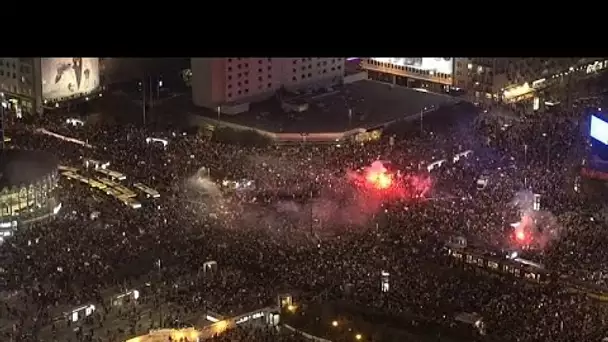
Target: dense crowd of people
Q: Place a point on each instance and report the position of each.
(301, 227)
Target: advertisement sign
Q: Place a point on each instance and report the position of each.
(444, 65)
(64, 78)
(599, 130)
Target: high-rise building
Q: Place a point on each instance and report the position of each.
(235, 81)
(27, 85)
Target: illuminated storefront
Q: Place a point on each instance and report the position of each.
(430, 73)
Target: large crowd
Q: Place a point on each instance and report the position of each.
(302, 228)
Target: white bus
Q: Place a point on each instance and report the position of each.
(126, 192)
(67, 168)
(147, 190)
(150, 140)
(96, 164)
(130, 202)
(112, 174)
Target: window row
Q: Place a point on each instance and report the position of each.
(239, 59)
(245, 66)
(23, 90)
(409, 69)
(24, 69)
(245, 74)
(8, 74)
(303, 68)
(246, 90)
(304, 60)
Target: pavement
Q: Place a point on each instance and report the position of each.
(370, 104)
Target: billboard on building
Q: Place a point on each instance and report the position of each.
(599, 130)
(65, 78)
(444, 65)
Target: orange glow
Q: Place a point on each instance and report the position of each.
(520, 235)
(220, 327)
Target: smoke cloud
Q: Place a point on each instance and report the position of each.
(541, 224)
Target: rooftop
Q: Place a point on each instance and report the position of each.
(371, 104)
(24, 166)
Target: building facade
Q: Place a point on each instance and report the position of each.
(434, 74)
(483, 79)
(19, 78)
(224, 82)
(27, 85)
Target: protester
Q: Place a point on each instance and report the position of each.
(303, 227)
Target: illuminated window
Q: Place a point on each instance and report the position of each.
(469, 66)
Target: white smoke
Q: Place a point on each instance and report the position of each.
(542, 224)
(202, 184)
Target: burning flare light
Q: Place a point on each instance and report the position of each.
(378, 177)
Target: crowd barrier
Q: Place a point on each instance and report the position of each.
(64, 138)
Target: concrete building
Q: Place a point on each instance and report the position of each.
(230, 84)
(27, 85)
(509, 80)
(20, 85)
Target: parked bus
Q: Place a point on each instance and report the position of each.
(130, 202)
(147, 190)
(114, 175)
(67, 168)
